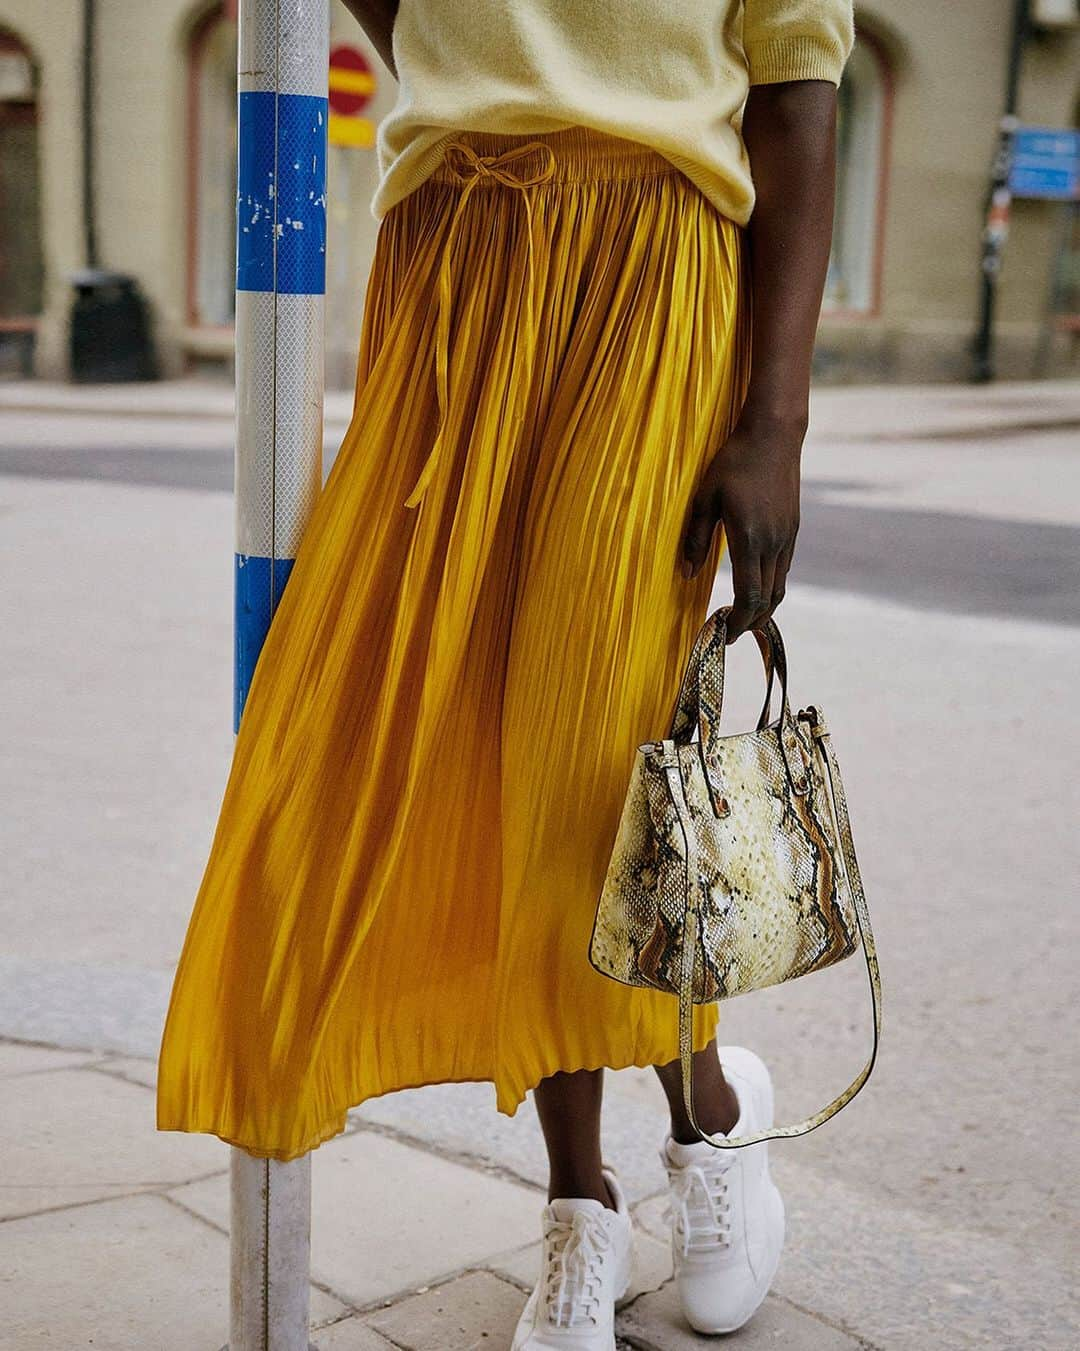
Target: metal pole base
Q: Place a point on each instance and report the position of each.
(270, 1233)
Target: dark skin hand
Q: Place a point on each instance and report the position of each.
(376, 18)
(751, 486)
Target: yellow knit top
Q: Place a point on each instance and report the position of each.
(673, 74)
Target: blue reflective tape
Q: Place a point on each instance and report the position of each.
(287, 207)
(259, 584)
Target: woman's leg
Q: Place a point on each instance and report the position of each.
(715, 1103)
(568, 1104)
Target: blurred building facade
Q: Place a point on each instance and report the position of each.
(920, 105)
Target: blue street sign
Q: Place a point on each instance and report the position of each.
(1045, 163)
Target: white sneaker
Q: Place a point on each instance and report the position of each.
(585, 1267)
(727, 1217)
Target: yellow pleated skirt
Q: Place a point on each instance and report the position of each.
(485, 618)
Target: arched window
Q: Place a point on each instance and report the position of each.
(21, 265)
(864, 105)
(212, 170)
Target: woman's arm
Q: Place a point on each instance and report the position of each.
(376, 18)
(752, 484)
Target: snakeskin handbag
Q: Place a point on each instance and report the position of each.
(733, 866)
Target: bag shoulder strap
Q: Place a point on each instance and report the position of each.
(820, 733)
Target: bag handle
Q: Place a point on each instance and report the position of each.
(701, 693)
(770, 671)
(838, 801)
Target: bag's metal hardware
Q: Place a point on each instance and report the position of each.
(812, 715)
(662, 755)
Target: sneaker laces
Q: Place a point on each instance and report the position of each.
(572, 1279)
(701, 1208)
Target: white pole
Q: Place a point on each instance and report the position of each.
(280, 286)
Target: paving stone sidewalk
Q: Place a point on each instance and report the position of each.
(115, 1236)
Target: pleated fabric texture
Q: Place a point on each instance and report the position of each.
(485, 618)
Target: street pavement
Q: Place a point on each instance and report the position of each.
(933, 612)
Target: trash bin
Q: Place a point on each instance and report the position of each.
(110, 329)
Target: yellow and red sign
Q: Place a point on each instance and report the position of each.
(352, 87)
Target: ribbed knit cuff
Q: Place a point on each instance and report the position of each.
(797, 58)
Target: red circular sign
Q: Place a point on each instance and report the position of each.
(352, 81)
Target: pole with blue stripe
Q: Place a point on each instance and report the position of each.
(280, 287)
(280, 291)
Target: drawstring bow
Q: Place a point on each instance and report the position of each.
(469, 168)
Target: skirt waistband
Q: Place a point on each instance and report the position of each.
(482, 160)
(574, 155)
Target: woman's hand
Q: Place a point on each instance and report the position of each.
(751, 488)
